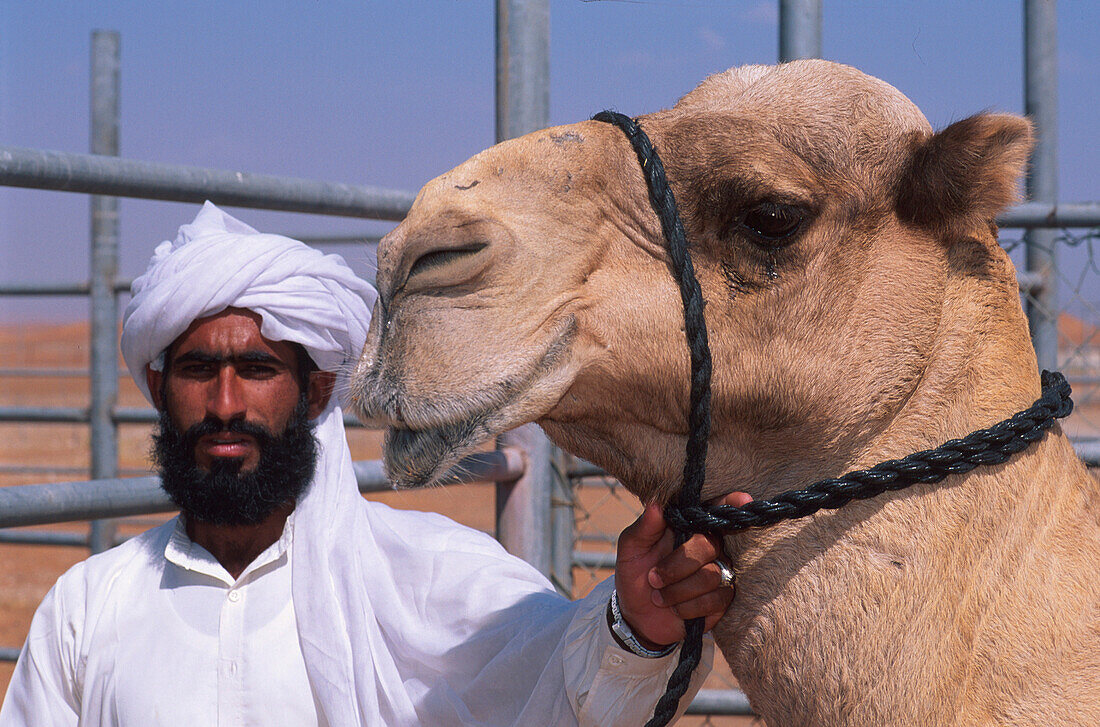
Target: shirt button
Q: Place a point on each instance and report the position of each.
(615, 660)
(234, 596)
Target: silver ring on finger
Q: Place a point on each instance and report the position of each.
(725, 572)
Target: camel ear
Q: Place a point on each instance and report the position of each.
(963, 176)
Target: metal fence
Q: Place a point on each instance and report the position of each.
(559, 514)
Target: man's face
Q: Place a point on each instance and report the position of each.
(235, 442)
(221, 368)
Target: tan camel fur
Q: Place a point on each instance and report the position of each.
(859, 309)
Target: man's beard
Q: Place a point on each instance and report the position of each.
(224, 495)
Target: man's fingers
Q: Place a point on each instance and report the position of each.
(710, 606)
(698, 549)
(696, 552)
(737, 499)
(705, 580)
(684, 582)
(682, 562)
(646, 531)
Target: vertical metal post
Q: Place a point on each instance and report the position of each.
(524, 508)
(523, 67)
(104, 271)
(799, 29)
(563, 524)
(1041, 105)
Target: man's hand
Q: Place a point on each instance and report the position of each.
(661, 587)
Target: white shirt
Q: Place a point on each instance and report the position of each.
(156, 632)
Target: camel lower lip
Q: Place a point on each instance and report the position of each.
(407, 439)
(415, 456)
(419, 457)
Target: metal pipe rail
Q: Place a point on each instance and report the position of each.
(56, 289)
(1026, 280)
(1041, 255)
(1046, 215)
(799, 29)
(91, 174)
(46, 537)
(1030, 215)
(89, 500)
(103, 175)
(720, 702)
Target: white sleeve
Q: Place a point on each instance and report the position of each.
(478, 637)
(610, 686)
(43, 690)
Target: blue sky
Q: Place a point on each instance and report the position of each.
(391, 93)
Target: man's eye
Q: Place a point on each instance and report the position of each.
(258, 371)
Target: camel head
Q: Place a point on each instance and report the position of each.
(845, 251)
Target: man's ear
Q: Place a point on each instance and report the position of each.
(962, 177)
(153, 380)
(321, 384)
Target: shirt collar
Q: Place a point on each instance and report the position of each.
(189, 555)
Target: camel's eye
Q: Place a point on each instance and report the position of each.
(772, 223)
(439, 258)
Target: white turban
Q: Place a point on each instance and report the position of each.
(217, 262)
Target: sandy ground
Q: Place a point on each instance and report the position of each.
(38, 453)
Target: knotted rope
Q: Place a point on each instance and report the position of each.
(688, 515)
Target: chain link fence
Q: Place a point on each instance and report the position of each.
(1076, 278)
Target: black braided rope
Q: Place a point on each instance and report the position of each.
(984, 447)
(695, 463)
(664, 203)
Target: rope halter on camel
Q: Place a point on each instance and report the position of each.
(688, 515)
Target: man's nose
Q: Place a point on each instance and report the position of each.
(226, 400)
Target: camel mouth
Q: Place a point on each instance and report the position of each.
(426, 436)
(421, 457)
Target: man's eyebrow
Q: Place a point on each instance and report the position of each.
(200, 356)
(258, 357)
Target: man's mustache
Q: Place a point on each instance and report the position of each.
(212, 425)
